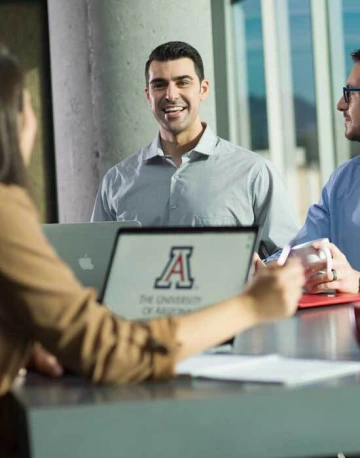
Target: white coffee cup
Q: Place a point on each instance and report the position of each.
(311, 256)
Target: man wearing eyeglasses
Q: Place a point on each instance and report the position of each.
(337, 215)
(349, 103)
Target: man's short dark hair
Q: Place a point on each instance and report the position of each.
(355, 55)
(174, 50)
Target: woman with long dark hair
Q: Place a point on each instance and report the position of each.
(42, 302)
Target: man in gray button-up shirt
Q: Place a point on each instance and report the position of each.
(188, 176)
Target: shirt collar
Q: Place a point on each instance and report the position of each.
(153, 150)
(206, 145)
(207, 142)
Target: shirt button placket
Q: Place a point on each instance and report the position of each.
(173, 199)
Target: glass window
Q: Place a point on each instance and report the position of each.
(252, 22)
(303, 80)
(300, 154)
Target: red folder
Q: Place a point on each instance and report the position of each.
(318, 300)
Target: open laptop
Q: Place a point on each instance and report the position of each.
(86, 247)
(164, 271)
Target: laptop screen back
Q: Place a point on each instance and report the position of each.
(156, 272)
(86, 247)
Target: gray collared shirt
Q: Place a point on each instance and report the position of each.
(218, 183)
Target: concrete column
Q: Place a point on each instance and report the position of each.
(75, 149)
(98, 53)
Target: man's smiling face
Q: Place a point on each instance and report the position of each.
(174, 95)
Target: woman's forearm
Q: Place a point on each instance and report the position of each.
(213, 325)
(273, 293)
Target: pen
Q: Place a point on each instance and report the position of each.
(284, 255)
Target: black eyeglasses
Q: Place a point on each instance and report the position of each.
(347, 90)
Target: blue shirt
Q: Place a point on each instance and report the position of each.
(218, 183)
(337, 215)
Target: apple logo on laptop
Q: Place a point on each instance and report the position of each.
(86, 263)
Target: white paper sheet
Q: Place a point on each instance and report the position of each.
(265, 369)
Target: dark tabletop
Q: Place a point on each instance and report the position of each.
(319, 418)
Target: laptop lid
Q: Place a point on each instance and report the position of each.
(86, 247)
(164, 271)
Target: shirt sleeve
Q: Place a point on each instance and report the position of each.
(273, 209)
(317, 223)
(102, 209)
(42, 301)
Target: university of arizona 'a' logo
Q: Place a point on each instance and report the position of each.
(177, 270)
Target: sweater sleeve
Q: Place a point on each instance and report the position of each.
(42, 301)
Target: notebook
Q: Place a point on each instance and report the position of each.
(86, 247)
(317, 300)
(271, 368)
(165, 271)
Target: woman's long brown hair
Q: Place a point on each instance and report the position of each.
(12, 169)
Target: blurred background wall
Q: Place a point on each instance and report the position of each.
(24, 29)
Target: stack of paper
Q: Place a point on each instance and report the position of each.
(265, 369)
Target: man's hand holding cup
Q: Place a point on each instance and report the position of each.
(316, 258)
(340, 277)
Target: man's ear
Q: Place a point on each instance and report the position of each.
(204, 89)
(146, 90)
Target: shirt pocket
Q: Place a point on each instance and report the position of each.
(206, 221)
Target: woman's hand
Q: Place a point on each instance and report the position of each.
(275, 291)
(256, 265)
(44, 362)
